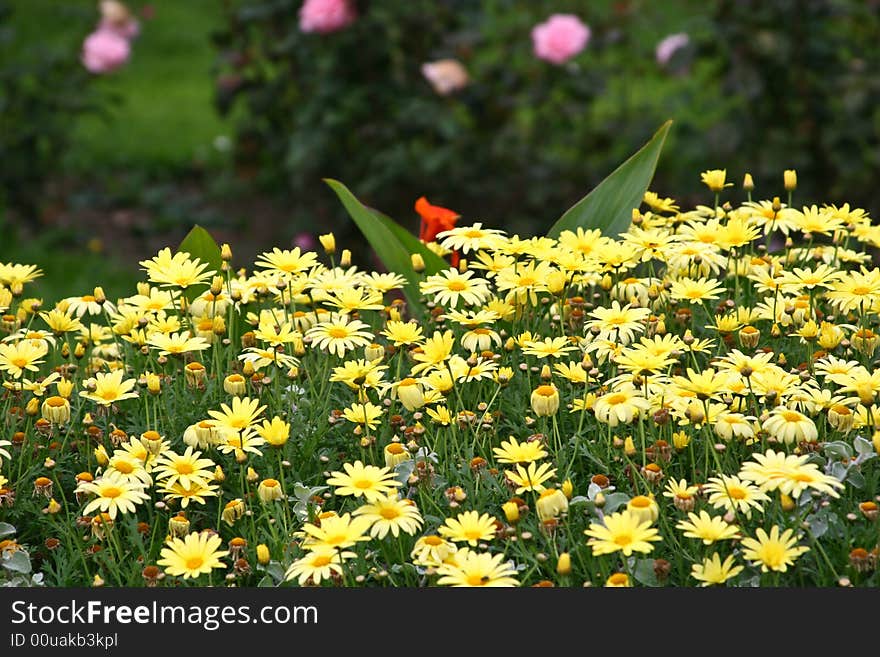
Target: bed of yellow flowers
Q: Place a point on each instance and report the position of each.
(693, 403)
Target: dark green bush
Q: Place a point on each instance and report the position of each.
(43, 89)
(517, 146)
(761, 87)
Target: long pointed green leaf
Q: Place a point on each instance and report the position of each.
(609, 206)
(199, 244)
(390, 249)
(433, 262)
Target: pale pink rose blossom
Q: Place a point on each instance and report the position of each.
(105, 51)
(445, 75)
(117, 17)
(325, 16)
(559, 38)
(669, 46)
(129, 29)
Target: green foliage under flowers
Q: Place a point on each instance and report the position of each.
(692, 402)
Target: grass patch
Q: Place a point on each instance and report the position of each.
(163, 115)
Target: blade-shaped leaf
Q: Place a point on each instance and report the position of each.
(393, 253)
(433, 262)
(199, 244)
(609, 206)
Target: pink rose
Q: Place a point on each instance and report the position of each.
(445, 75)
(117, 17)
(559, 38)
(105, 51)
(669, 46)
(325, 16)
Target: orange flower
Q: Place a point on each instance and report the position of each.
(435, 219)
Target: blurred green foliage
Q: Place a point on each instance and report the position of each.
(518, 146)
(43, 91)
(760, 87)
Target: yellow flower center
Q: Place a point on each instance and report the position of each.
(338, 332)
(456, 286)
(474, 233)
(395, 448)
(616, 398)
(861, 290)
(473, 534)
(363, 484)
(194, 563)
(791, 416)
(321, 561)
(124, 467)
(477, 580)
(623, 540)
(640, 502)
(184, 468)
(389, 513)
(545, 391)
(19, 361)
(433, 541)
(772, 554)
(270, 483)
(56, 402)
(151, 435)
(87, 298)
(526, 280)
(111, 492)
(736, 493)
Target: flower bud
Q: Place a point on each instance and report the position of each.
(328, 241)
(56, 410)
(395, 454)
(789, 178)
(545, 400)
(178, 526)
(418, 263)
(233, 510)
(65, 388)
(263, 555)
(269, 490)
(563, 564)
(195, 374)
(511, 512)
(154, 383)
(234, 384)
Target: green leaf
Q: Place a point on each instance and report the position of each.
(6, 529)
(433, 262)
(199, 244)
(614, 502)
(644, 572)
(609, 206)
(385, 240)
(18, 562)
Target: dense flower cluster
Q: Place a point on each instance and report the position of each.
(691, 403)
